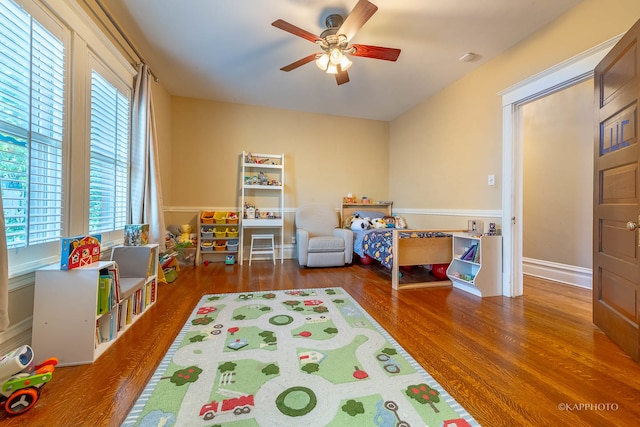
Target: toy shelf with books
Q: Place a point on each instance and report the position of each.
(476, 266)
(217, 236)
(78, 314)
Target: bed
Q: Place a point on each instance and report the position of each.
(395, 248)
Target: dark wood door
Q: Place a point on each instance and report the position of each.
(616, 261)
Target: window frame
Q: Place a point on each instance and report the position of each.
(84, 45)
(97, 65)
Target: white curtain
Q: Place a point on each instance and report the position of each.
(4, 273)
(146, 190)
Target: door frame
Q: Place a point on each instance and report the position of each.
(558, 77)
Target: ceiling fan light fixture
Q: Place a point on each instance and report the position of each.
(335, 56)
(323, 61)
(332, 68)
(345, 63)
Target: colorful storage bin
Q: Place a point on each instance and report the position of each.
(232, 218)
(220, 217)
(232, 232)
(206, 217)
(232, 245)
(220, 245)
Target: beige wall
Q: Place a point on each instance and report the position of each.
(442, 150)
(162, 110)
(325, 156)
(558, 176)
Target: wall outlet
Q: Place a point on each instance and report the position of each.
(491, 180)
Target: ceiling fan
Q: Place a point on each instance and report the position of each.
(334, 42)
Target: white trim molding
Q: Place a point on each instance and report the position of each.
(16, 335)
(195, 209)
(563, 273)
(562, 75)
(451, 212)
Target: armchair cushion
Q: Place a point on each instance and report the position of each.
(325, 244)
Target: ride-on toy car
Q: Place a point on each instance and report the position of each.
(21, 381)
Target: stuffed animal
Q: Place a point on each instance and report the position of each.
(400, 223)
(358, 223)
(379, 223)
(185, 233)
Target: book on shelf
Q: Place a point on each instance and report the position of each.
(152, 264)
(115, 276)
(78, 251)
(136, 234)
(154, 290)
(469, 253)
(105, 329)
(129, 314)
(121, 314)
(104, 292)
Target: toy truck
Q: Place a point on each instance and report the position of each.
(21, 381)
(237, 405)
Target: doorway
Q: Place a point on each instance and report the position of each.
(557, 221)
(563, 75)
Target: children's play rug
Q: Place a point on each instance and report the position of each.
(309, 357)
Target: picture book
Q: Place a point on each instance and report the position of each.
(136, 234)
(79, 250)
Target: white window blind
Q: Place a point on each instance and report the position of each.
(31, 128)
(109, 170)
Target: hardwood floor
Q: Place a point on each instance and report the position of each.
(535, 360)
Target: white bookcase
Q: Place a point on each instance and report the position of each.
(262, 196)
(480, 275)
(65, 311)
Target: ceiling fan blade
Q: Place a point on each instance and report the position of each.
(299, 62)
(296, 31)
(357, 18)
(342, 77)
(376, 52)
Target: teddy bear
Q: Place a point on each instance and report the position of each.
(185, 234)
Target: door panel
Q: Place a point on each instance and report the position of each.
(618, 242)
(616, 267)
(620, 131)
(620, 294)
(619, 184)
(619, 73)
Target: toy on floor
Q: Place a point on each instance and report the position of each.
(21, 381)
(185, 234)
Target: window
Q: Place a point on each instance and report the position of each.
(63, 142)
(109, 156)
(31, 128)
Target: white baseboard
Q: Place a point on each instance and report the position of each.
(15, 336)
(563, 273)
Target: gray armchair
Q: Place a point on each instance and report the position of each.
(320, 242)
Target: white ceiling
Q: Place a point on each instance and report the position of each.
(227, 50)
